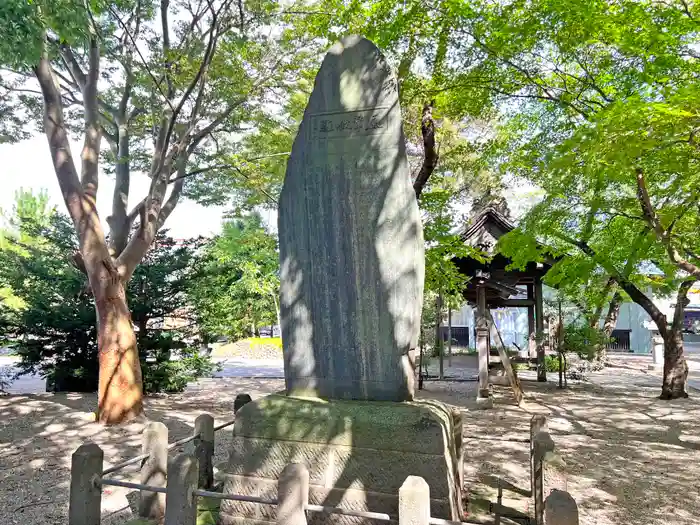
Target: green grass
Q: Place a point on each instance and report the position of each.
(207, 513)
(258, 341)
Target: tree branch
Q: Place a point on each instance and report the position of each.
(91, 147)
(654, 223)
(681, 302)
(55, 129)
(165, 28)
(430, 155)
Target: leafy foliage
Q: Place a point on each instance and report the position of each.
(238, 283)
(47, 313)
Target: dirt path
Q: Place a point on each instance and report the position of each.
(630, 458)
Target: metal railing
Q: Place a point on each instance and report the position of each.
(88, 474)
(170, 488)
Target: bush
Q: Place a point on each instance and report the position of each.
(551, 363)
(583, 340)
(172, 377)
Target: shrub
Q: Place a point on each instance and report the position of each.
(583, 340)
(551, 363)
(172, 377)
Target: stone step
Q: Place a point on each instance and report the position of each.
(345, 498)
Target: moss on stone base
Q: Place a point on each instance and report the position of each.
(207, 513)
(416, 426)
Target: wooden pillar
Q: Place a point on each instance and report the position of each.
(482, 340)
(539, 327)
(531, 347)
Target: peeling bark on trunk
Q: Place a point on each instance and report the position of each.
(120, 394)
(120, 389)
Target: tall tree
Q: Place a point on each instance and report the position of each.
(154, 80)
(238, 284)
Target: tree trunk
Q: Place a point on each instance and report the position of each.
(120, 391)
(675, 367)
(609, 325)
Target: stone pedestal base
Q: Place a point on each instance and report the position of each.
(358, 454)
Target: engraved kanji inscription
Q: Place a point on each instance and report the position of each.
(350, 124)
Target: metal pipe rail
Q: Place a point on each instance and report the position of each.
(179, 442)
(380, 516)
(234, 497)
(130, 485)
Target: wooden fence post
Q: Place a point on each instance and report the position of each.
(240, 401)
(204, 449)
(180, 501)
(538, 424)
(560, 509)
(85, 490)
(414, 502)
(292, 495)
(154, 470)
(543, 445)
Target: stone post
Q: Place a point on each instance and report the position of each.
(154, 470)
(543, 446)
(560, 509)
(241, 400)
(414, 502)
(531, 346)
(293, 495)
(657, 352)
(85, 491)
(204, 449)
(180, 501)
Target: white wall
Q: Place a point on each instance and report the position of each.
(512, 322)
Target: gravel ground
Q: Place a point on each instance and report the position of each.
(630, 458)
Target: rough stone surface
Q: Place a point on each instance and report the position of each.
(180, 503)
(351, 241)
(560, 509)
(154, 469)
(414, 502)
(358, 454)
(85, 494)
(204, 449)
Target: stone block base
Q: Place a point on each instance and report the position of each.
(358, 454)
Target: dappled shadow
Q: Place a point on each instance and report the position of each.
(630, 457)
(38, 434)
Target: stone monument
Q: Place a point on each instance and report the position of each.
(352, 270)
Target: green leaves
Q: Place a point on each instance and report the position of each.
(238, 284)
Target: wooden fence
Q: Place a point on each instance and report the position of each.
(169, 487)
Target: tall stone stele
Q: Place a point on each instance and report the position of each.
(350, 237)
(352, 270)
